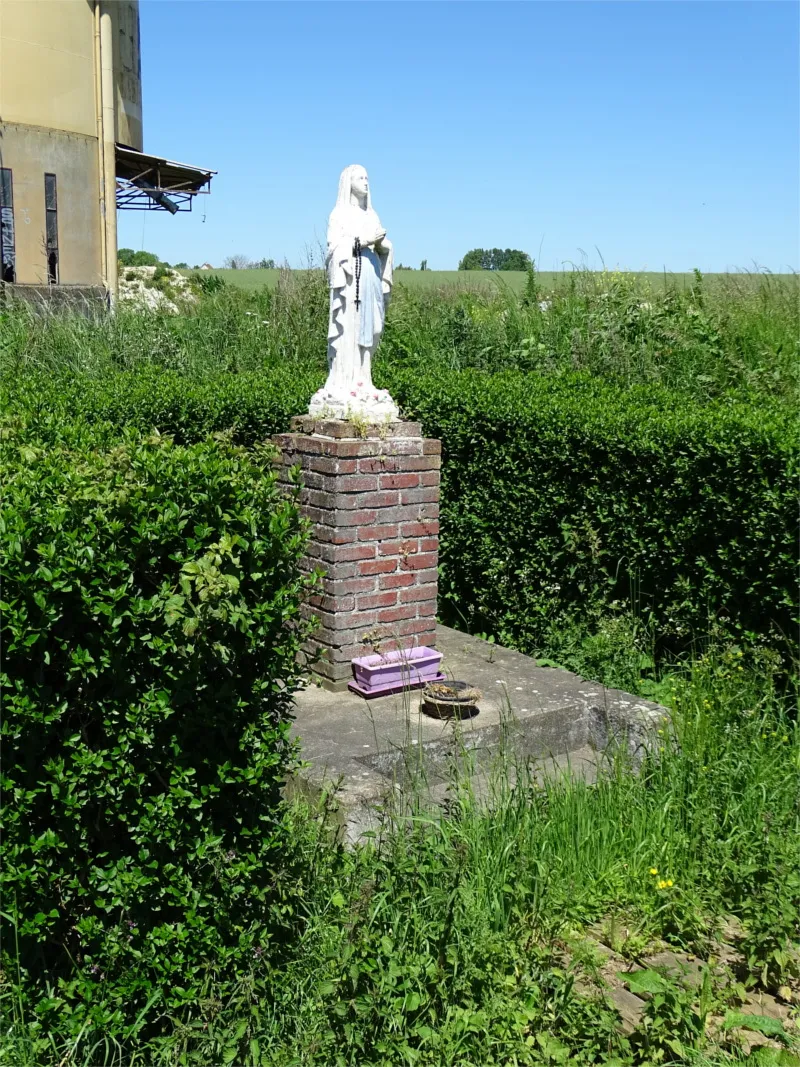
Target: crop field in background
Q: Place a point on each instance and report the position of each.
(515, 280)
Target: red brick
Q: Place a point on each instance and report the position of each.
(377, 566)
(318, 498)
(315, 515)
(418, 592)
(344, 553)
(429, 544)
(301, 443)
(310, 480)
(406, 513)
(354, 449)
(337, 604)
(355, 518)
(336, 571)
(417, 626)
(422, 463)
(419, 561)
(406, 447)
(427, 607)
(356, 483)
(415, 639)
(331, 466)
(421, 529)
(419, 496)
(372, 500)
(397, 548)
(283, 441)
(396, 581)
(378, 533)
(431, 448)
(399, 481)
(333, 536)
(427, 639)
(379, 600)
(334, 624)
(430, 478)
(383, 464)
(347, 642)
(338, 587)
(406, 428)
(397, 614)
(423, 577)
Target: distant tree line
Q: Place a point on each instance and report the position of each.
(477, 259)
(238, 261)
(495, 259)
(128, 258)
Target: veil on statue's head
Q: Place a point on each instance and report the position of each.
(345, 187)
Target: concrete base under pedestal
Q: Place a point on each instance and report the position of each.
(378, 750)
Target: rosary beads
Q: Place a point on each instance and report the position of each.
(357, 255)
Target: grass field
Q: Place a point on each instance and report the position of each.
(413, 279)
(514, 279)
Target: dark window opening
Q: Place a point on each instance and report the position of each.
(51, 228)
(8, 252)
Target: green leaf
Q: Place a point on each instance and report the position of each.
(647, 981)
(761, 1024)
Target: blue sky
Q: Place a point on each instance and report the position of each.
(664, 134)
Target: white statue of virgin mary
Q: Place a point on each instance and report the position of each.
(359, 263)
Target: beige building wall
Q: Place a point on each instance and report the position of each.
(47, 64)
(51, 122)
(128, 74)
(32, 152)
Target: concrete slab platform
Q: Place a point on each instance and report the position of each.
(373, 750)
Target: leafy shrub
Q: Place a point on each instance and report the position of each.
(250, 407)
(127, 257)
(150, 630)
(207, 283)
(567, 496)
(562, 496)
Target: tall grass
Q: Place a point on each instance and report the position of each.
(738, 333)
(441, 940)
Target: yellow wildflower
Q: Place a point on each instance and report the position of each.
(654, 870)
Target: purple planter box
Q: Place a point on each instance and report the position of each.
(392, 672)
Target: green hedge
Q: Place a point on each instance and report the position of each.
(562, 496)
(150, 629)
(251, 406)
(567, 496)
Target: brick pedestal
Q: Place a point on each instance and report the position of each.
(374, 504)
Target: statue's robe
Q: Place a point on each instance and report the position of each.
(354, 332)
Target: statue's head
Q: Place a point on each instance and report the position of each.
(353, 182)
(359, 182)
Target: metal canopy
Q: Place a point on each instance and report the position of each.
(150, 183)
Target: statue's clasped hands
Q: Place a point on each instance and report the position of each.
(376, 238)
